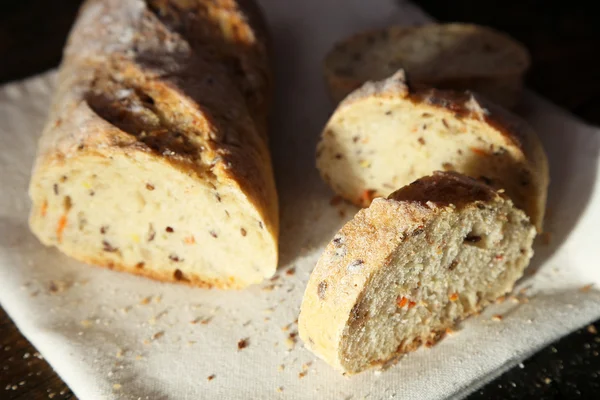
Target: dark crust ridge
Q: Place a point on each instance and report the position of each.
(463, 104)
(445, 188)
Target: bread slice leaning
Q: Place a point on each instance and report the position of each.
(154, 159)
(447, 56)
(386, 134)
(409, 267)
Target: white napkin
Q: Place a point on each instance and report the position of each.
(111, 335)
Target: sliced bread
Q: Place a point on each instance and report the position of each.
(453, 56)
(154, 159)
(409, 267)
(385, 135)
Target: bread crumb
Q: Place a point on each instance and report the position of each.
(281, 367)
(146, 300)
(592, 329)
(86, 323)
(547, 381)
(302, 374)
(290, 271)
(500, 299)
(525, 289)
(290, 343)
(158, 335)
(117, 386)
(58, 286)
(450, 331)
(586, 288)
(242, 344)
(497, 317)
(268, 288)
(210, 377)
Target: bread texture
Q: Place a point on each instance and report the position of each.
(387, 134)
(154, 159)
(411, 266)
(446, 56)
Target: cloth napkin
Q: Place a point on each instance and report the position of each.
(112, 335)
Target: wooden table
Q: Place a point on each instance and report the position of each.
(563, 39)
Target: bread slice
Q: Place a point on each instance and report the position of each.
(154, 159)
(385, 135)
(409, 267)
(451, 56)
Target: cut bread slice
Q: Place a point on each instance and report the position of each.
(409, 267)
(386, 135)
(154, 159)
(451, 56)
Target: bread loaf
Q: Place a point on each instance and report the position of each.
(409, 267)
(387, 134)
(445, 56)
(154, 159)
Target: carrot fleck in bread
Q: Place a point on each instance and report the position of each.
(154, 159)
(386, 135)
(405, 270)
(450, 56)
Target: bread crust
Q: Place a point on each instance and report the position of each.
(466, 105)
(504, 87)
(333, 297)
(172, 52)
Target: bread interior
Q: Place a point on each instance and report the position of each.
(137, 212)
(442, 273)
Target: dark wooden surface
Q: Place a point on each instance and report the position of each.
(563, 37)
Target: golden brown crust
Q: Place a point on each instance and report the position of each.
(190, 280)
(367, 240)
(333, 296)
(443, 189)
(135, 77)
(467, 105)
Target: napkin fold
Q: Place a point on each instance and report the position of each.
(112, 335)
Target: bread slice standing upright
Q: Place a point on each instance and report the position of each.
(387, 134)
(154, 159)
(409, 267)
(446, 56)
